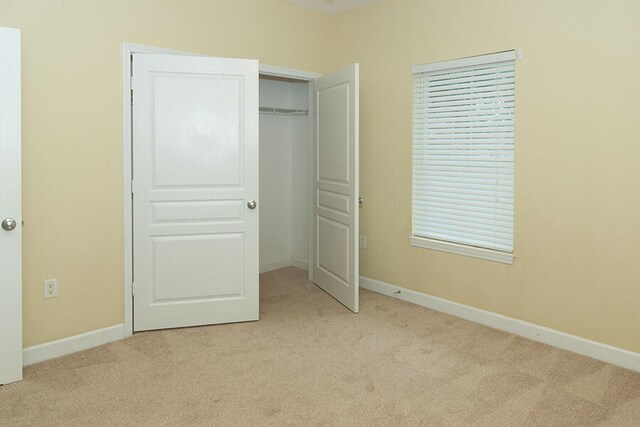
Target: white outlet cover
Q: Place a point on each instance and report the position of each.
(363, 242)
(50, 288)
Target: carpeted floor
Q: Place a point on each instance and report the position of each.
(309, 361)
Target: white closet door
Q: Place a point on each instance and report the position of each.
(335, 185)
(10, 209)
(195, 182)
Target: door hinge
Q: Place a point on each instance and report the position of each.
(131, 82)
(132, 187)
(132, 291)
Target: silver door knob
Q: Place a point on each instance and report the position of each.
(360, 201)
(8, 224)
(252, 204)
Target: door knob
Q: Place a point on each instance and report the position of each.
(8, 224)
(252, 204)
(360, 201)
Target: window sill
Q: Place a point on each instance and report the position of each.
(456, 248)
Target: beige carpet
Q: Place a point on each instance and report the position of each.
(309, 361)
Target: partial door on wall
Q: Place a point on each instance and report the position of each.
(194, 187)
(10, 209)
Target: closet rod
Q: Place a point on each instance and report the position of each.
(284, 111)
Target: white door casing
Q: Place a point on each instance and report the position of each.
(195, 168)
(10, 208)
(335, 185)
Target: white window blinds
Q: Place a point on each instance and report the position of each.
(463, 151)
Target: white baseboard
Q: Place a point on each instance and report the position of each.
(275, 265)
(62, 347)
(604, 352)
(298, 263)
(287, 262)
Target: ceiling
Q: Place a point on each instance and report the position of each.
(331, 6)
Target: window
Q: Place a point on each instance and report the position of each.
(463, 156)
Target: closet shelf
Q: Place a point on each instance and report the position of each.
(283, 111)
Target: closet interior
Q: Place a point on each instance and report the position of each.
(284, 173)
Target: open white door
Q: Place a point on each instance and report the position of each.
(335, 185)
(195, 185)
(10, 209)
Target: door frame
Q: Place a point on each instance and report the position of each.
(127, 50)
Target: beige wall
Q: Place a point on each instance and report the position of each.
(72, 144)
(577, 232)
(577, 198)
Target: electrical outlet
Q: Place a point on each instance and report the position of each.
(363, 242)
(50, 288)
